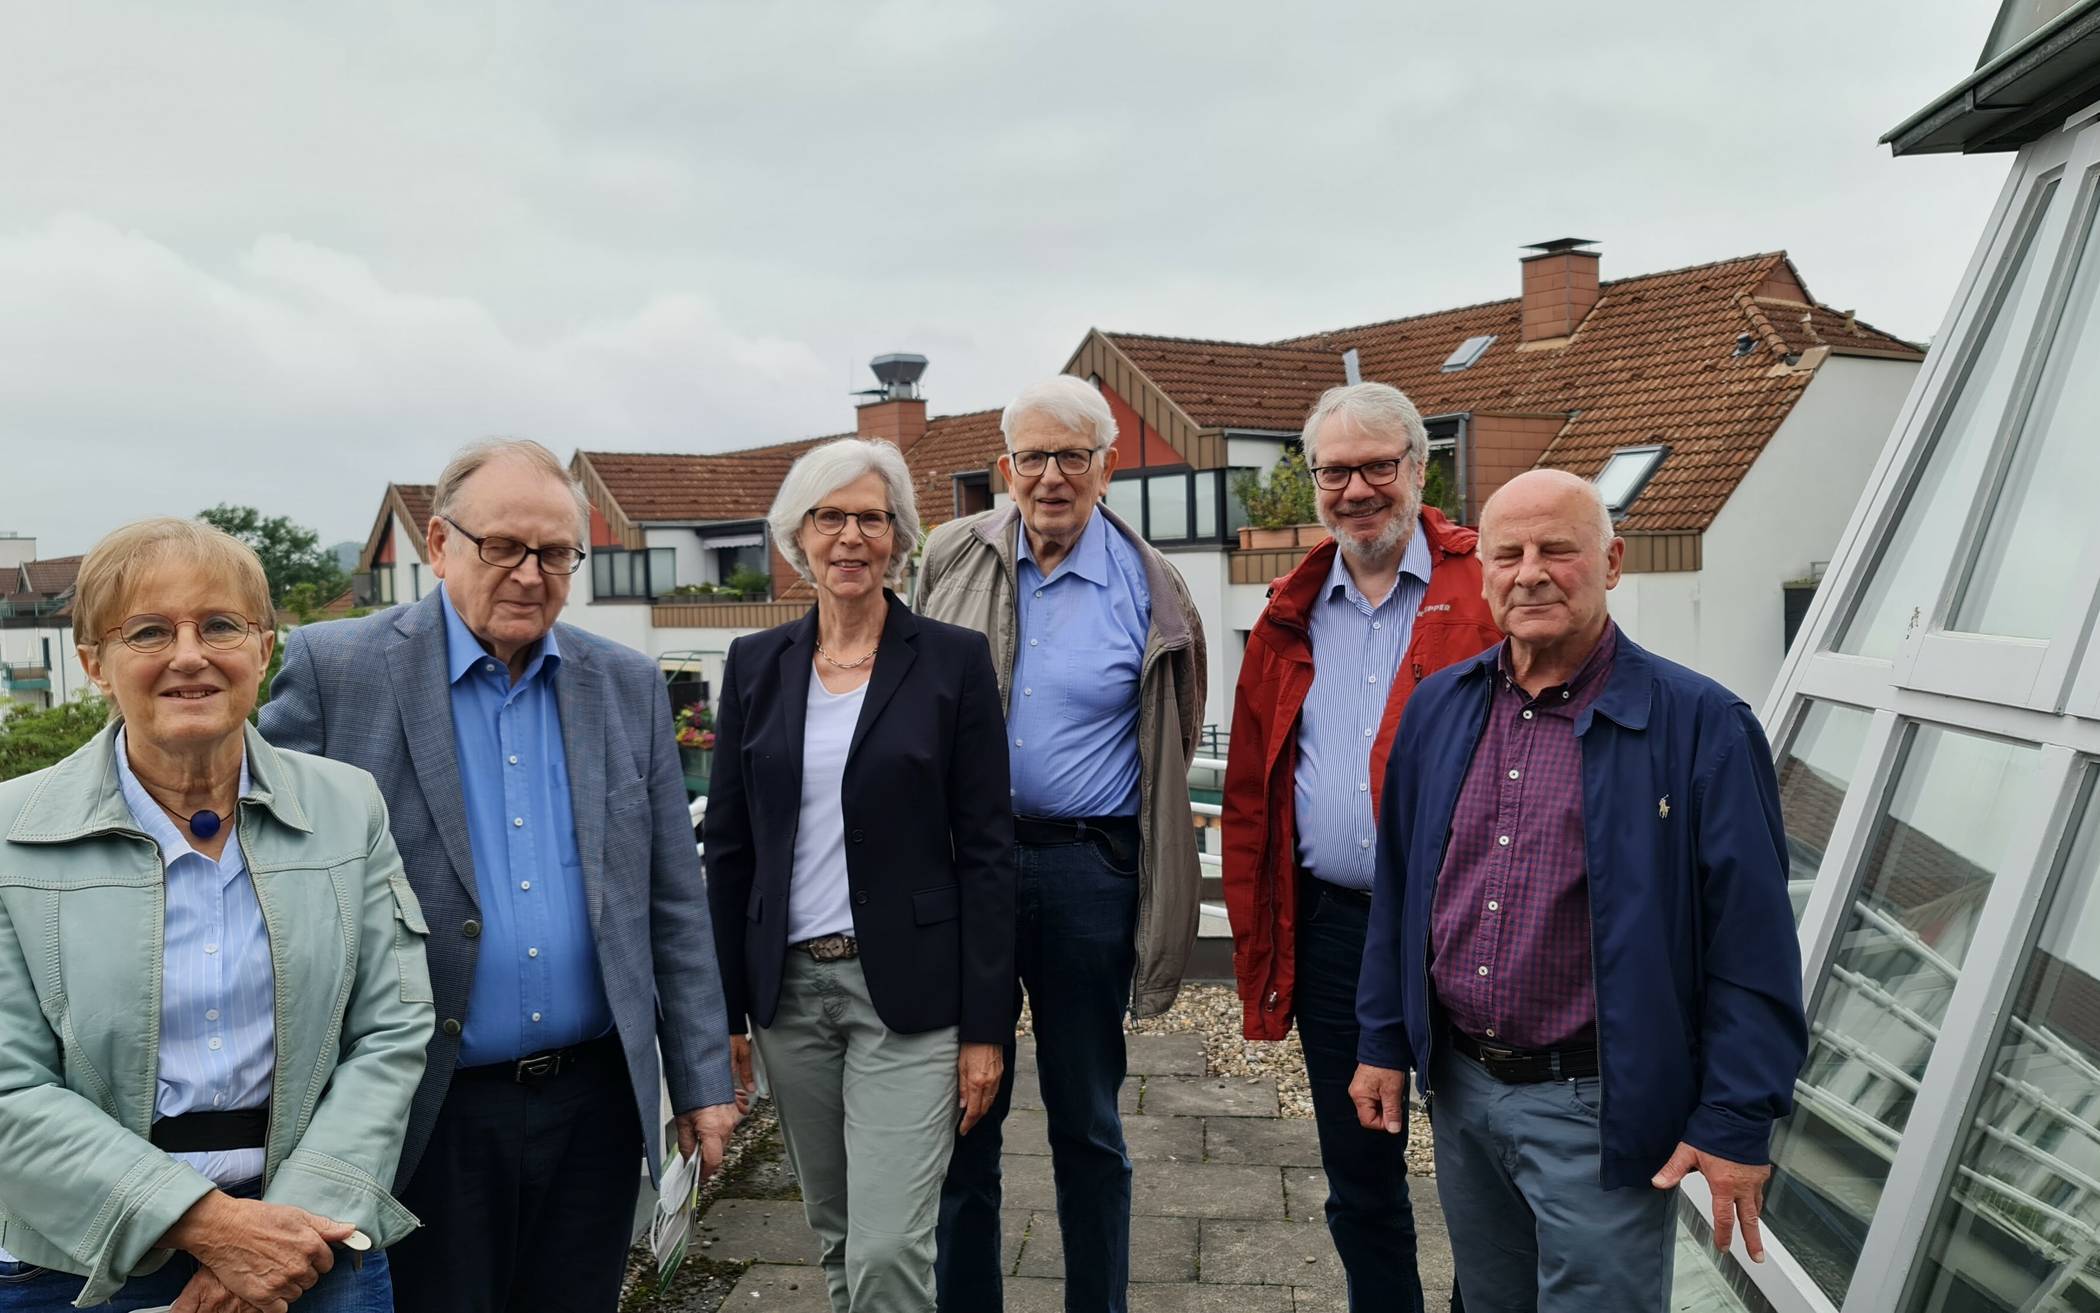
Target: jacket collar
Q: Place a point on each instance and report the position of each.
(81, 795)
(1292, 597)
(1629, 691)
(1170, 621)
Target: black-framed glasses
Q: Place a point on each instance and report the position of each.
(1377, 473)
(147, 634)
(1071, 461)
(832, 520)
(509, 553)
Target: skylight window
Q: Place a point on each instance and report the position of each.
(1469, 351)
(1626, 473)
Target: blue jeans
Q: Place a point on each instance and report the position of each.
(1078, 948)
(1531, 1230)
(26, 1289)
(1368, 1213)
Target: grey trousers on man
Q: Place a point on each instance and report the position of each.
(869, 1117)
(1531, 1230)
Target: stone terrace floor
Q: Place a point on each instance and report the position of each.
(1226, 1217)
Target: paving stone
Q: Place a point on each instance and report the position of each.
(757, 1230)
(1432, 1243)
(1024, 1058)
(1208, 1299)
(1305, 1194)
(1280, 1141)
(767, 1288)
(1166, 1055)
(1013, 1230)
(1315, 1299)
(1211, 1096)
(1207, 1190)
(1026, 1184)
(1027, 1295)
(1269, 1253)
(1161, 1248)
(1028, 1093)
(1148, 1138)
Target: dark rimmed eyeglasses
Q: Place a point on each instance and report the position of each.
(147, 634)
(1072, 461)
(832, 520)
(1377, 473)
(509, 553)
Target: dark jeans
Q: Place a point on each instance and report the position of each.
(1368, 1212)
(526, 1193)
(1077, 950)
(346, 1289)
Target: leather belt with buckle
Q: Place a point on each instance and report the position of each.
(830, 948)
(1527, 1066)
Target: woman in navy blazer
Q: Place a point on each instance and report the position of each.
(859, 841)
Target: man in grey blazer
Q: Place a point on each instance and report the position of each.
(536, 797)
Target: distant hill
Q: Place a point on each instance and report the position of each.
(346, 555)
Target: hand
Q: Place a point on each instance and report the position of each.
(1380, 1094)
(266, 1255)
(206, 1294)
(707, 1129)
(978, 1069)
(1738, 1191)
(740, 1071)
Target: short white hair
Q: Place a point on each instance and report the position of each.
(1374, 407)
(469, 460)
(824, 470)
(1072, 402)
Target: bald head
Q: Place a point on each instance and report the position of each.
(1548, 556)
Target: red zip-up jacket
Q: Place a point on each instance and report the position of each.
(1261, 844)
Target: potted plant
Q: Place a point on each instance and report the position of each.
(748, 584)
(695, 726)
(1281, 509)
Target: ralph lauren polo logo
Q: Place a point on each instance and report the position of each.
(1662, 807)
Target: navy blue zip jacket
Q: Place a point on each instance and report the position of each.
(1700, 1032)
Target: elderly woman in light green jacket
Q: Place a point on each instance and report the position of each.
(213, 996)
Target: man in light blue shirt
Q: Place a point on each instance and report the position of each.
(1100, 656)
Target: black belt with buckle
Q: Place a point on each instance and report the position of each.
(830, 948)
(535, 1068)
(1527, 1066)
(212, 1132)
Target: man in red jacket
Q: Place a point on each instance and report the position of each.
(1346, 636)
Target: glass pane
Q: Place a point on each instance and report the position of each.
(1703, 1280)
(1206, 503)
(2020, 1228)
(663, 571)
(1440, 483)
(2042, 521)
(1936, 848)
(601, 574)
(1126, 497)
(1236, 517)
(1813, 777)
(1168, 496)
(1904, 585)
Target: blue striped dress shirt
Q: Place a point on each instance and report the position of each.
(1356, 653)
(537, 982)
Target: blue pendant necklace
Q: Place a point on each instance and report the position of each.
(204, 824)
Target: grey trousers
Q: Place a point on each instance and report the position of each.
(1531, 1230)
(869, 1117)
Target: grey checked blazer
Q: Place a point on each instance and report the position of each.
(374, 692)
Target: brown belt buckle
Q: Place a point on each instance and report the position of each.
(831, 948)
(536, 1068)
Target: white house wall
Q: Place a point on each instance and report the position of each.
(691, 562)
(25, 647)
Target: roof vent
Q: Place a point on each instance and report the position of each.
(899, 374)
(1469, 351)
(1352, 367)
(1745, 343)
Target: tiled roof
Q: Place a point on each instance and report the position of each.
(651, 487)
(52, 575)
(952, 445)
(1654, 360)
(416, 502)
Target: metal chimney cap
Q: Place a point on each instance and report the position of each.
(1559, 244)
(898, 367)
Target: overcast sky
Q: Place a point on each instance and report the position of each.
(283, 254)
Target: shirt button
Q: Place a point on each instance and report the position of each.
(1491, 1032)
(212, 1044)
(525, 885)
(518, 822)
(1515, 774)
(1527, 715)
(1027, 692)
(1370, 679)
(1494, 906)
(1378, 624)
(218, 1100)
(1363, 843)
(535, 1016)
(490, 667)
(1367, 733)
(1483, 970)
(211, 948)
(532, 952)
(1017, 743)
(1038, 592)
(211, 1014)
(1035, 642)
(1363, 788)
(1565, 694)
(514, 759)
(1503, 840)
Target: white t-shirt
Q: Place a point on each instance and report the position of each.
(818, 900)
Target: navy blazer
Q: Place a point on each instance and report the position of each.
(929, 826)
(1700, 1031)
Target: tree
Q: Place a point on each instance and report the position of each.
(32, 738)
(291, 554)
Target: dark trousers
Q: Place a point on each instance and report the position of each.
(526, 1193)
(1368, 1212)
(1077, 950)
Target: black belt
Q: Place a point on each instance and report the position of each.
(544, 1066)
(1527, 1066)
(1049, 831)
(1314, 885)
(212, 1132)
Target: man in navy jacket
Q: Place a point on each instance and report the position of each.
(1580, 937)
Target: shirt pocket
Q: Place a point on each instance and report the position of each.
(1100, 683)
(410, 931)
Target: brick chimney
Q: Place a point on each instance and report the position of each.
(1560, 286)
(895, 411)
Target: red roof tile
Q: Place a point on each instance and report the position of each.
(416, 503)
(653, 487)
(52, 575)
(952, 445)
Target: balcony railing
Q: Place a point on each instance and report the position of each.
(25, 679)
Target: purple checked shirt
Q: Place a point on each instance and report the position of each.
(1510, 927)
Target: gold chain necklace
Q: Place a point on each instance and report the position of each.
(849, 665)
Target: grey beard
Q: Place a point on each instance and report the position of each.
(1406, 512)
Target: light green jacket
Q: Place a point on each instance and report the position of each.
(81, 911)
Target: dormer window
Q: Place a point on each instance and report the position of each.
(1625, 474)
(1469, 351)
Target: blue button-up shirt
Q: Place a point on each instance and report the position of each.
(537, 983)
(1356, 654)
(1071, 722)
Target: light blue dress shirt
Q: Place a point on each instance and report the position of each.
(1356, 655)
(1071, 721)
(537, 982)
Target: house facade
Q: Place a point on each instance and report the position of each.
(38, 667)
